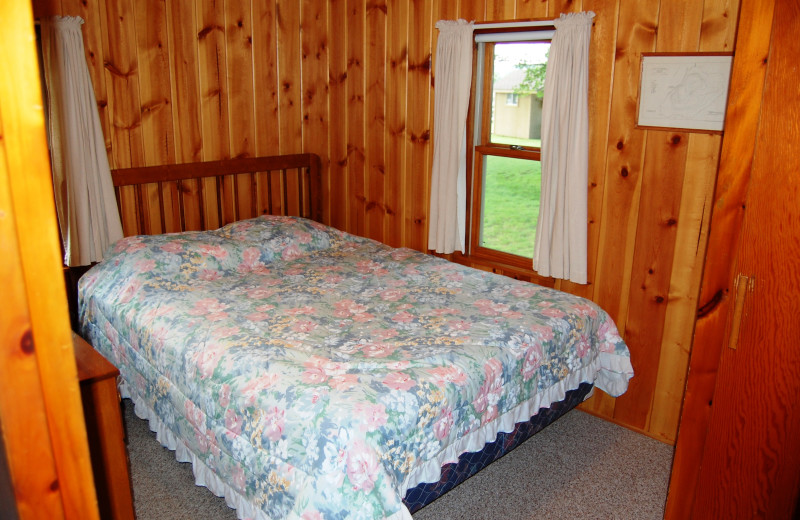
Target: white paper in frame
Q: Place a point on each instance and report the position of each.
(687, 91)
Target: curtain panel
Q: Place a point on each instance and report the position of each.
(560, 248)
(453, 73)
(85, 203)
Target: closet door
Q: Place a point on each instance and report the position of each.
(751, 464)
(45, 470)
(749, 456)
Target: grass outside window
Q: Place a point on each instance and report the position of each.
(511, 195)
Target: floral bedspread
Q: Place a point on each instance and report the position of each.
(321, 375)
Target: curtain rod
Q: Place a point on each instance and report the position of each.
(512, 25)
(513, 31)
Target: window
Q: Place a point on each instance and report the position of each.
(506, 146)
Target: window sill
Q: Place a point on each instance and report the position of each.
(499, 263)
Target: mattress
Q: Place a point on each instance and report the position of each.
(309, 373)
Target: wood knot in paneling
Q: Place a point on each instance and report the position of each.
(205, 31)
(647, 28)
(117, 71)
(422, 138)
(26, 342)
(398, 131)
(400, 60)
(378, 5)
(372, 205)
(154, 106)
(131, 126)
(424, 65)
(355, 149)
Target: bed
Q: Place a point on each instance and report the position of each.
(309, 373)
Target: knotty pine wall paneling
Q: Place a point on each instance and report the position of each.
(158, 140)
(636, 32)
(338, 150)
(396, 119)
(353, 37)
(375, 115)
(702, 158)
(185, 107)
(418, 132)
(316, 79)
(661, 178)
(240, 72)
(353, 81)
(266, 95)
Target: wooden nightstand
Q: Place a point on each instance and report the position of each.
(101, 410)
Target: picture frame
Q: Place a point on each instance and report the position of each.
(684, 91)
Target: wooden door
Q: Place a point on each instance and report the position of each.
(738, 451)
(45, 466)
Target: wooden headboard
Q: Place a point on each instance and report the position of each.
(208, 195)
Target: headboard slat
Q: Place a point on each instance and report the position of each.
(230, 188)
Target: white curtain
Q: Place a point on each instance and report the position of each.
(560, 248)
(85, 202)
(453, 76)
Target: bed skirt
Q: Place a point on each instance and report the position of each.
(470, 463)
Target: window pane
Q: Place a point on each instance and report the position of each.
(517, 90)
(511, 191)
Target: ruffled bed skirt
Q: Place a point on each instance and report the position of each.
(439, 480)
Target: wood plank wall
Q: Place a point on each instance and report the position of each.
(352, 81)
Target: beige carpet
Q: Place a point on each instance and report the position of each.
(580, 467)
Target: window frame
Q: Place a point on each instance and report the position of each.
(481, 146)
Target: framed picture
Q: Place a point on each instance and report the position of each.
(687, 91)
